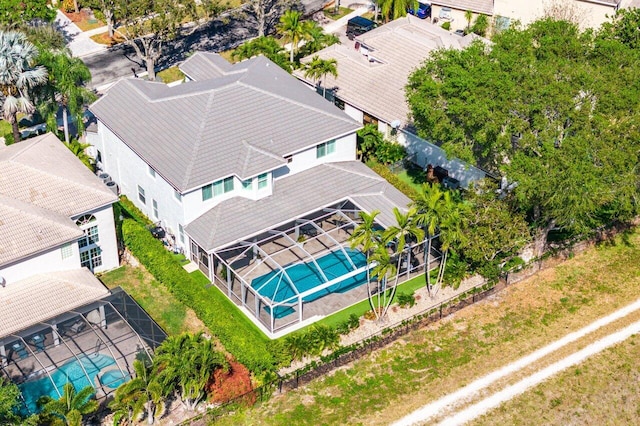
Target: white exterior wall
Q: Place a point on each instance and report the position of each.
(354, 113)
(428, 153)
(107, 240)
(590, 15)
(48, 261)
(458, 21)
(304, 160)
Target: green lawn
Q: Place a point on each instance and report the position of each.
(160, 304)
(328, 12)
(171, 74)
(414, 177)
(438, 359)
(5, 127)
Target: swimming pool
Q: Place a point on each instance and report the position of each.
(304, 276)
(71, 372)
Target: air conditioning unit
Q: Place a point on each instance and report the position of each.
(112, 186)
(106, 178)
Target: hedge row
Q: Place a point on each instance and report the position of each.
(240, 338)
(133, 212)
(394, 180)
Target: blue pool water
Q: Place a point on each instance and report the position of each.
(114, 378)
(276, 286)
(71, 372)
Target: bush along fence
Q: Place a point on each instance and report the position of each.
(238, 336)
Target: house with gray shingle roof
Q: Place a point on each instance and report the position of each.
(371, 80)
(241, 162)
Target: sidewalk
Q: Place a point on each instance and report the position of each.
(79, 42)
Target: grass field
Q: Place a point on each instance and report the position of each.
(432, 362)
(602, 390)
(154, 298)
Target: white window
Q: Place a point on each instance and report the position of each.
(263, 180)
(181, 233)
(217, 188)
(66, 251)
(91, 258)
(152, 172)
(141, 195)
(177, 195)
(155, 208)
(325, 149)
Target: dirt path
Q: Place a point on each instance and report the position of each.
(448, 403)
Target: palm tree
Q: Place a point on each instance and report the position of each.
(71, 407)
(450, 231)
(368, 237)
(428, 215)
(267, 46)
(65, 89)
(79, 150)
(127, 405)
(316, 38)
(317, 69)
(468, 15)
(144, 391)
(18, 77)
(293, 30)
(188, 362)
(405, 230)
(383, 269)
(395, 9)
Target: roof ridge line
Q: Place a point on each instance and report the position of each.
(377, 177)
(291, 101)
(196, 145)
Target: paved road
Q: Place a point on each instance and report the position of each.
(116, 62)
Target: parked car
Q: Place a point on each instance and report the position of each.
(423, 11)
(359, 25)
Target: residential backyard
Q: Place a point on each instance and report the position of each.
(435, 361)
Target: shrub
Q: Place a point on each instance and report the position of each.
(349, 324)
(8, 139)
(219, 314)
(455, 270)
(131, 211)
(406, 300)
(446, 25)
(228, 385)
(394, 180)
(390, 152)
(314, 341)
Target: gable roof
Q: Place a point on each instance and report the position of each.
(194, 133)
(41, 297)
(478, 6)
(375, 83)
(42, 187)
(294, 196)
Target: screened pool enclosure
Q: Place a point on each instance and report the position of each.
(304, 269)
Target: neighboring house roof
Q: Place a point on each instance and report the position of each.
(204, 66)
(43, 172)
(26, 229)
(195, 133)
(295, 196)
(41, 297)
(42, 186)
(478, 6)
(377, 86)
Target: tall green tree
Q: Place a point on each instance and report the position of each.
(70, 408)
(65, 90)
(367, 236)
(401, 235)
(317, 39)
(429, 212)
(188, 361)
(18, 76)
(542, 105)
(394, 9)
(292, 30)
(318, 69)
(468, 16)
(10, 406)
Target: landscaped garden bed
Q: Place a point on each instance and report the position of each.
(85, 20)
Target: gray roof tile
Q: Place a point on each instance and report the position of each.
(294, 196)
(192, 134)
